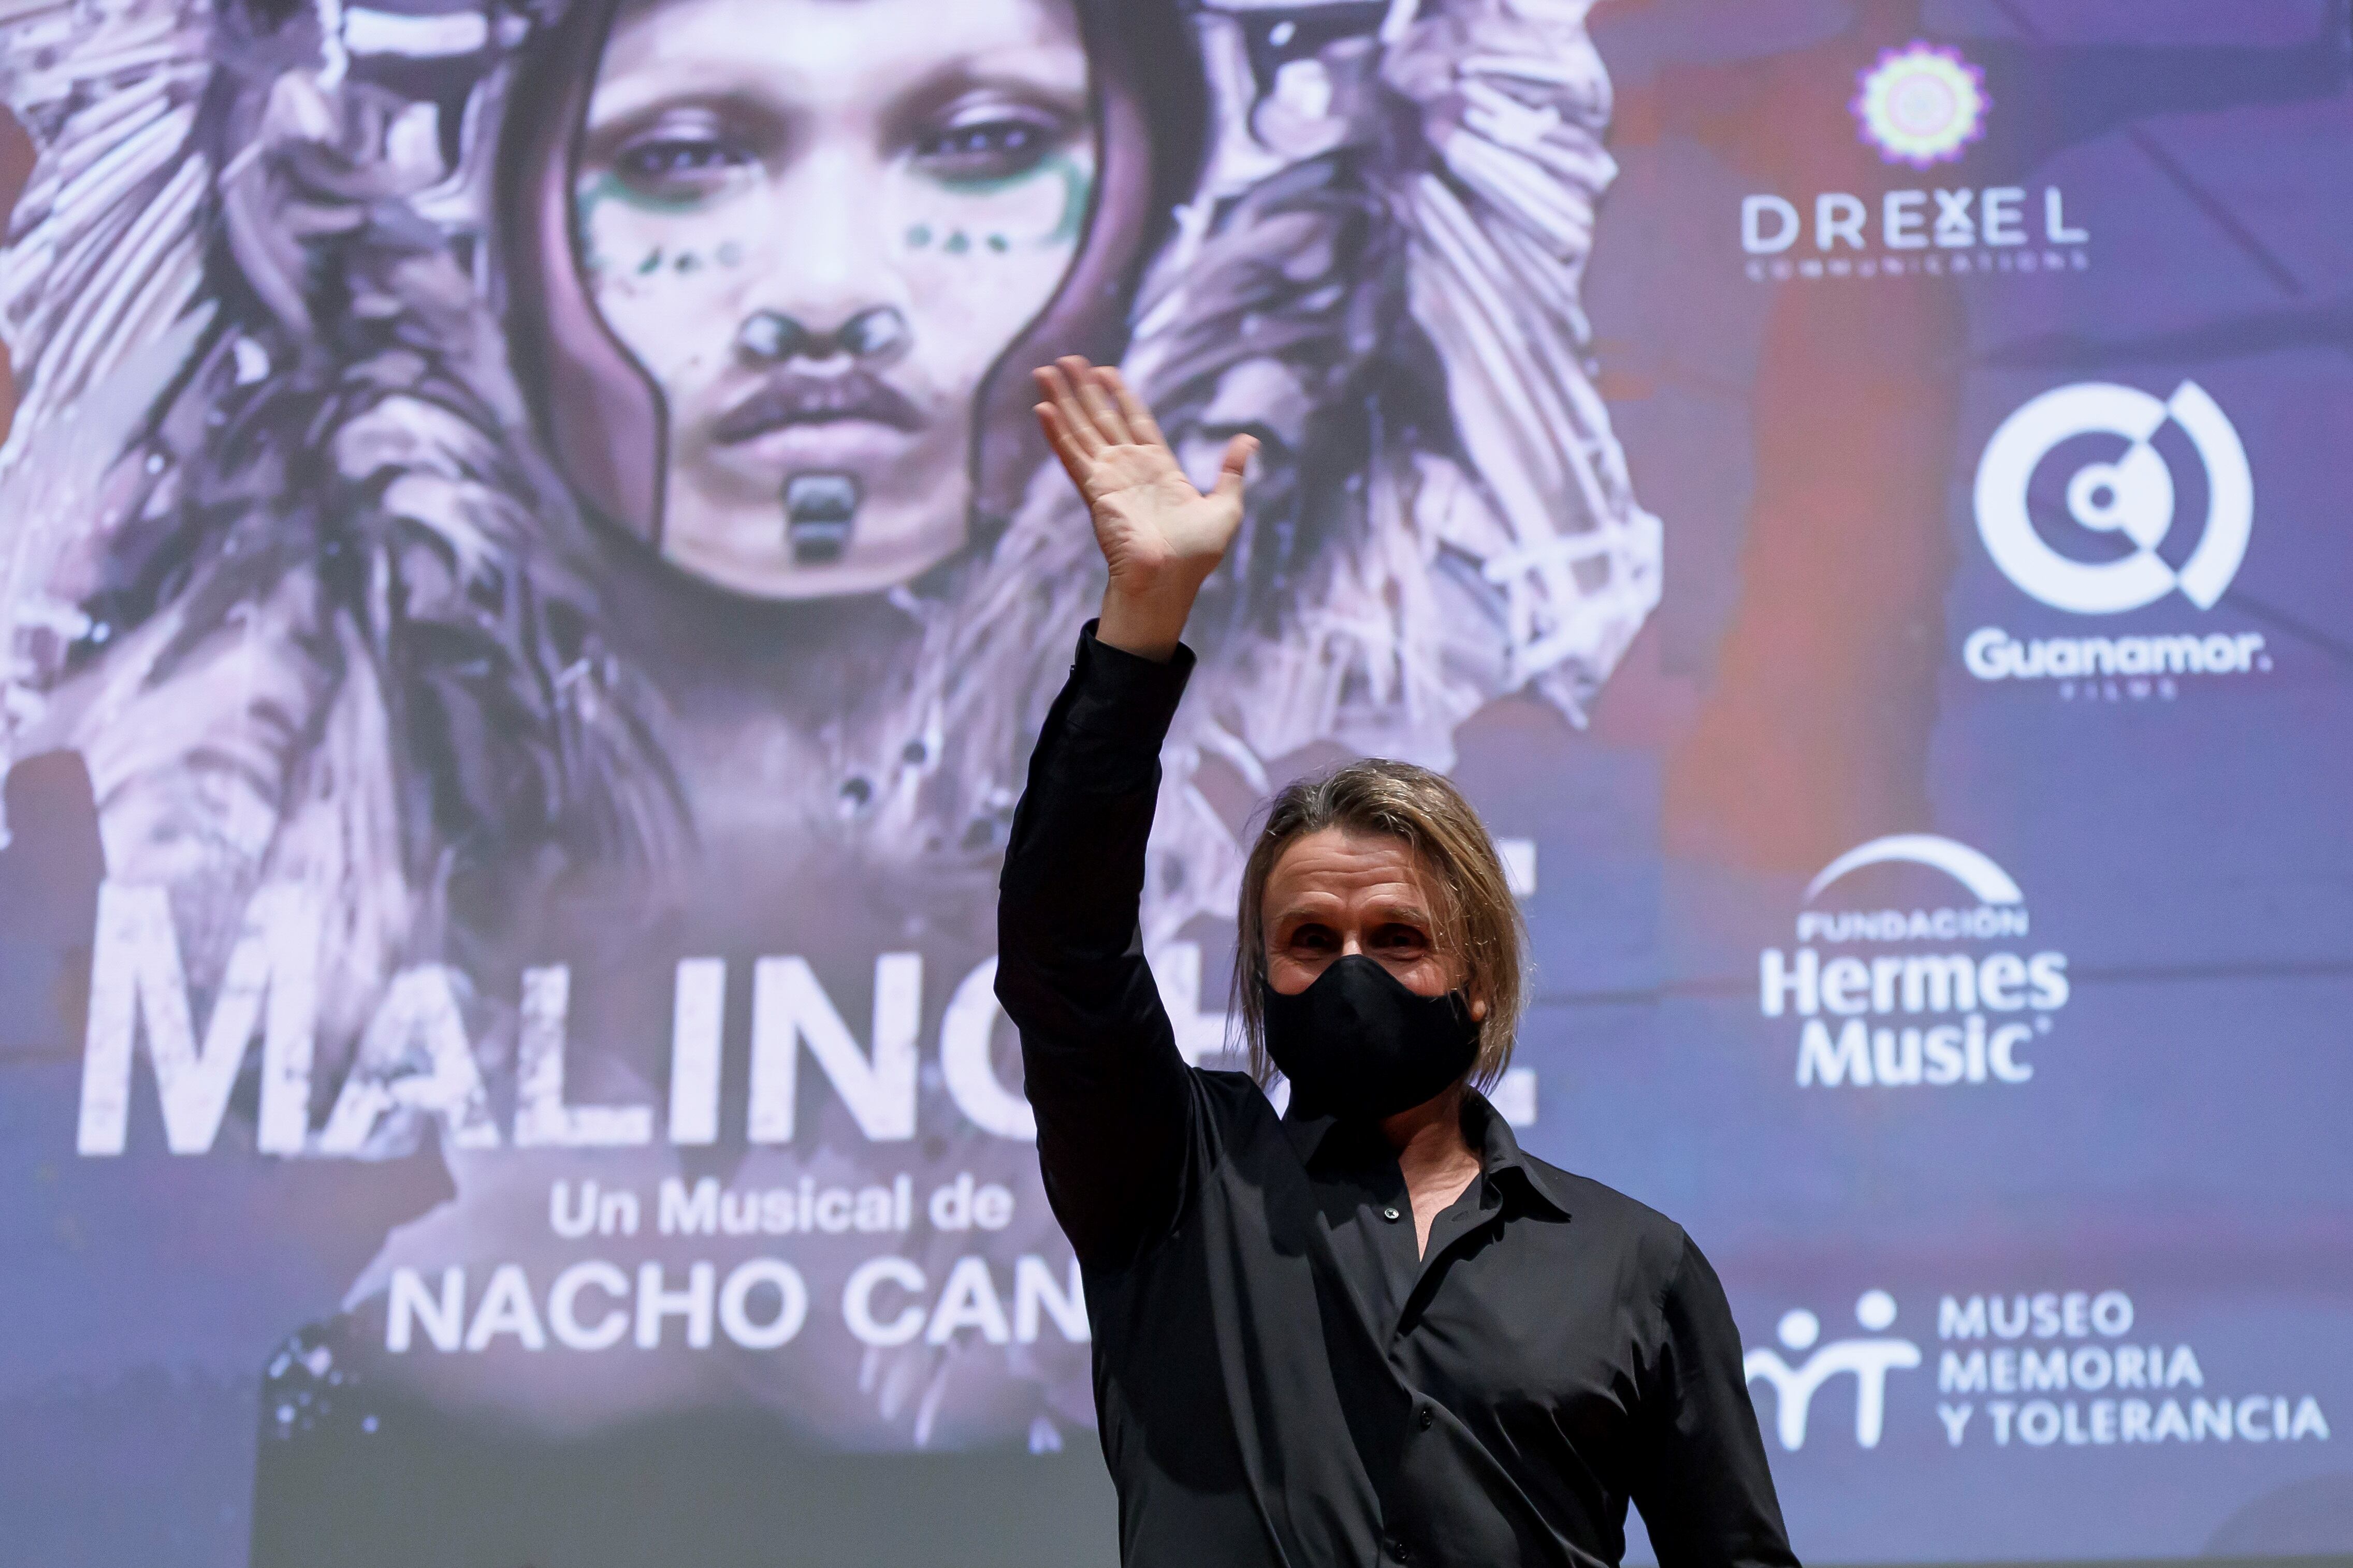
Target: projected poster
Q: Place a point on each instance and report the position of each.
(529, 584)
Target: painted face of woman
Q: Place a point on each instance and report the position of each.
(815, 224)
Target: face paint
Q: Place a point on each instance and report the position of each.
(797, 159)
(1040, 207)
(1076, 183)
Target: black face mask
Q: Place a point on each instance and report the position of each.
(1358, 1045)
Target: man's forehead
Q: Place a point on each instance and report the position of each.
(1342, 844)
(1393, 898)
(1328, 866)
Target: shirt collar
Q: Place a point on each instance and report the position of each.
(1484, 1128)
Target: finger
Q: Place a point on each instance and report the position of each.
(1235, 466)
(1077, 461)
(1077, 427)
(1100, 407)
(1062, 380)
(1140, 423)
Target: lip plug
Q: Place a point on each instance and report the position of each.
(819, 511)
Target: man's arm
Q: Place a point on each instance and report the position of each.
(1113, 1101)
(1700, 1478)
(1099, 1059)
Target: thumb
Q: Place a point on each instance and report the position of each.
(1231, 471)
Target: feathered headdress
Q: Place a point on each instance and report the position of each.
(253, 219)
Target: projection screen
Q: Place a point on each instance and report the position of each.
(527, 583)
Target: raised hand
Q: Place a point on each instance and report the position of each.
(1159, 535)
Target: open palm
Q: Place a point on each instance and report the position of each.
(1158, 535)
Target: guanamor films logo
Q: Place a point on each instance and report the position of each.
(2079, 502)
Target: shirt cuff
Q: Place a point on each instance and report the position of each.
(1121, 702)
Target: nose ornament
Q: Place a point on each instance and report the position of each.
(772, 337)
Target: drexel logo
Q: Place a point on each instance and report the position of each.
(2128, 497)
(1923, 105)
(1867, 1360)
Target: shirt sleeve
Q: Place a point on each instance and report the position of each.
(1700, 1478)
(1113, 1096)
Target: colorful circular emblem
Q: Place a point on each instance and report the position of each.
(1921, 104)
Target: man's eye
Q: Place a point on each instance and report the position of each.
(1312, 938)
(983, 149)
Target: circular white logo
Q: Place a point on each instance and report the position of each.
(2131, 497)
(1920, 104)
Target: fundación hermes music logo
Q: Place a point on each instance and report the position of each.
(1933, 996)
(2078, 504)
(1919, 106)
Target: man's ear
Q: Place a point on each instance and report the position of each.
(1478, 1008)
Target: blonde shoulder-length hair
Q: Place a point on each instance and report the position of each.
(1477, 918)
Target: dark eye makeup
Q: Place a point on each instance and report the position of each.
(686, 153)
(987, 143)
(682, 156)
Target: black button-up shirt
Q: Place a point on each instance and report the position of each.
(1281, 1378)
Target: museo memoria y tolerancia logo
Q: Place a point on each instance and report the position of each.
(2085, 499)
(1921, 106)
(2024, 1370)
(1867, 1357)
(1927, 980)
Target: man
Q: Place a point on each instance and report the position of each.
(1286, 1372)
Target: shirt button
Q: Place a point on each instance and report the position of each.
(1390, 1213)
(1427, 1420)
(1395, 1548)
